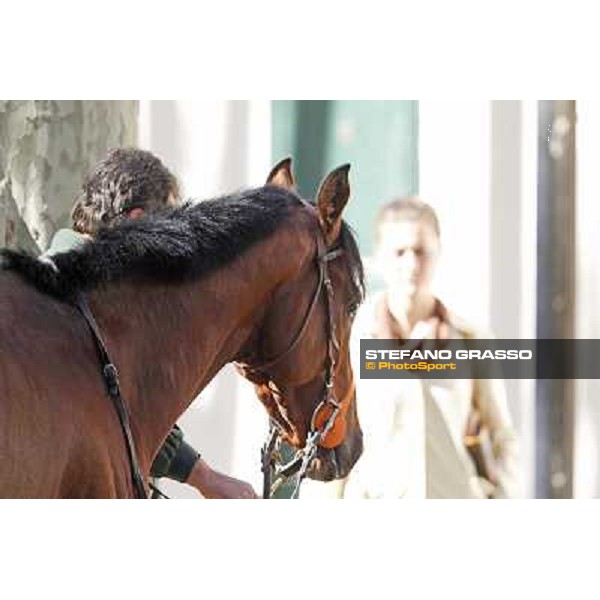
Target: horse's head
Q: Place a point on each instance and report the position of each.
(300, 361)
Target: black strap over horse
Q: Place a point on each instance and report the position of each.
(111, 379)
(110, 375)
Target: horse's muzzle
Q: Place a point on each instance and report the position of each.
(336, 463)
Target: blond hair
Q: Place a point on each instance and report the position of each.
(407, 208)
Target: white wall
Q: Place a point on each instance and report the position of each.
(587, 415)
(477, 167)
(215, 147)
(454, 177)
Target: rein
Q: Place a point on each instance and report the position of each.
(111, 380)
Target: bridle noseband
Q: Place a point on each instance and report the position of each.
(301, 460)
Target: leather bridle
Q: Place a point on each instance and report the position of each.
(301, 460)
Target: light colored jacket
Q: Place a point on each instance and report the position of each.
(414, 430)
(65, 240)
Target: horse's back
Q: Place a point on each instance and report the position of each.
(52, 402)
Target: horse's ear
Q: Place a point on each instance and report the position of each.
(281, 174)
(332, 197)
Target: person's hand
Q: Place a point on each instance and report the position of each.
(214, 485)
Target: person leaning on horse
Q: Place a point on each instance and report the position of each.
(125, 185)
(145, 314)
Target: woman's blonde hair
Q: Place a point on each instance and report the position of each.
(407, 208)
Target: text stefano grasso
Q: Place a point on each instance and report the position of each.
(418, 354)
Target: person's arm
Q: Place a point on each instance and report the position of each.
(179, 461)
(215, 485)
(495, 415)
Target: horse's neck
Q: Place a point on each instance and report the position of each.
(169, 341)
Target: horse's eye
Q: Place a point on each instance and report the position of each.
(352, 309)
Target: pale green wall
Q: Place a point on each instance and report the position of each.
(378, 138)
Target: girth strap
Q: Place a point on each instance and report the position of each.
(111, 379)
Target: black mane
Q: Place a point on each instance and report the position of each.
(171, 245)
(175, 245)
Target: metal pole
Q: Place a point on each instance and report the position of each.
(555, 292)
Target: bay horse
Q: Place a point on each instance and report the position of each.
(176, 296)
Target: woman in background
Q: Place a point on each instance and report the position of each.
(417, 431)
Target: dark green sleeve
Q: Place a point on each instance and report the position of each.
(176, 459)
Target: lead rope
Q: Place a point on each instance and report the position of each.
(300, 461)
